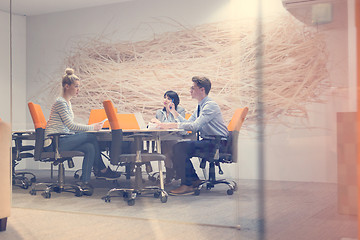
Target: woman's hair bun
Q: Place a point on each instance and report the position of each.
(69, 71)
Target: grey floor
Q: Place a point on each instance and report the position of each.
(284, 210)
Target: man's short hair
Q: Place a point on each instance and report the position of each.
(202, 82)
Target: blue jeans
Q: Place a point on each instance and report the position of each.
(87, 143)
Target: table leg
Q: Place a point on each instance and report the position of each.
(161, 176)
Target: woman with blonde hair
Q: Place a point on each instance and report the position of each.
(62, 121)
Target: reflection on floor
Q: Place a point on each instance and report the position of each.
(292, 210)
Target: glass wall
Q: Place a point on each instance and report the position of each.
(291, 64)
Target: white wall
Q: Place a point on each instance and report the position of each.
(18, 72)
(19, 107)
(5, 66)
(290, 153)
(18, 66)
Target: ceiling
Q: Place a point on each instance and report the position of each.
(38, 7)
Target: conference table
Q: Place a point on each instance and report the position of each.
(156, 136)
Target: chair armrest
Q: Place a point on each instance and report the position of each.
(214, 137)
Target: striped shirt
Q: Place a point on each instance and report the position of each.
(62, 120)
(210, 121)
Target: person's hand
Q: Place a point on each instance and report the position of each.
(98, 126)
(170, 106)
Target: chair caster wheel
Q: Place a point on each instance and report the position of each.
(76, 176)
(46, 194)
(163, 199)
(235, 188)
(131, 202)
(197, 192)
(88, 191)
(78, 193)
(25, 185)
(56, 189)
(157, 194)
(229, 192)
(32, 192)
(107, 199)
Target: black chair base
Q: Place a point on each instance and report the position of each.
(60, 186)
(211, 181)
(20, 179)
(55, 187)
(130, 194)
(211, 184)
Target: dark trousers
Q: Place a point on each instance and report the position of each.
(185, 150)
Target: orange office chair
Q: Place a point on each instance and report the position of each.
(56, 157)
(228, 155)
(129, 121)
(137, 159)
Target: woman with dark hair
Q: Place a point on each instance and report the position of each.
(171, 100)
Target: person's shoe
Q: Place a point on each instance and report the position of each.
(197, 183)
(87, 189)
(182, 190)
(109, 174)
(169, 175)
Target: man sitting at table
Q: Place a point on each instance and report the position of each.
(207, 120)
